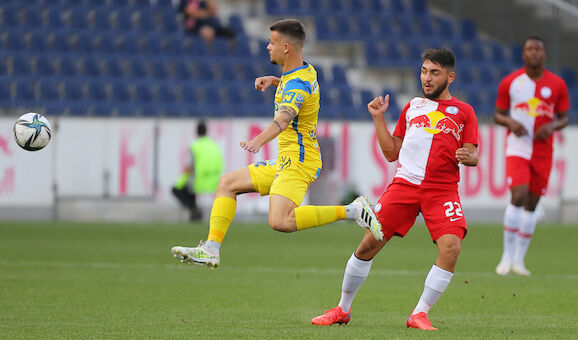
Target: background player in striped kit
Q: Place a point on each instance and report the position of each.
(538, 104)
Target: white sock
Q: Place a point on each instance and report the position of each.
(350, 212)
(524, 235)
(213, 245)
(512, 223)
(356, 272)
(436, 282)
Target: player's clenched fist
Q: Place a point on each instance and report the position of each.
(262, 83)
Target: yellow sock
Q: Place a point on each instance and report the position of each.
(222, 214)
(310, 216)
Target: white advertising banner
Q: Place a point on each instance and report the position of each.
(141, 159)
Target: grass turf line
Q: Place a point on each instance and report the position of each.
(85, 281)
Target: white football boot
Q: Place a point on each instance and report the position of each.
(504, 267)
(520, 269)
(201, 255)
(366, 218)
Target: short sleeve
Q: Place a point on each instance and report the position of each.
(295, 93)
(401, 123)
(563, 103)
(470, 134)
(503, 98)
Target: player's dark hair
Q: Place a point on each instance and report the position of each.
(291, 28)
(201, 128)
(442, 56)
(535, 38)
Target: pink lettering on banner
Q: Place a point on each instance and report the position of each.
(473, 175)
(383, 166)
(254, 130)
(4, 145)
(558, 169)
(496, 190)
(7, 182)
(128, 161)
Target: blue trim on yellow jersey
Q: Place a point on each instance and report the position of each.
(299, 140)
(298, 84)
(305, 65)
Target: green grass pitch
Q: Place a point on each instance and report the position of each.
(119, 281)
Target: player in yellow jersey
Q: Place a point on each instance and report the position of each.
(298, 163)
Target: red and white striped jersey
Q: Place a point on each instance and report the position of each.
(432, 131)
(532, 103)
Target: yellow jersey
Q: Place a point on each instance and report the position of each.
(299, 90)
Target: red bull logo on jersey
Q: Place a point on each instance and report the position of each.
(436, 122)
(535, 107)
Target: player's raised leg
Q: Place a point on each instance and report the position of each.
(222, 214)
(285, 216)
(437, 280)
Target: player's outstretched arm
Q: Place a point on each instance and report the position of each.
(262, 83)
(389, 144)
(467, 154)
(281, 121)
(501, 118)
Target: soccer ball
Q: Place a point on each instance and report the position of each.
(32, 131)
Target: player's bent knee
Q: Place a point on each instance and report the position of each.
(281, 225)
(451, 250)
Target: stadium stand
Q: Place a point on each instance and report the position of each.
(130, 57)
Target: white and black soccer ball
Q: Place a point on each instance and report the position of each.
(32, 131)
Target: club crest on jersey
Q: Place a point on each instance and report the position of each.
(453, 110)
(546, 92)
(436, 122)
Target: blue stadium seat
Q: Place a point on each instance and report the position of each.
(105, 43)
(97, 91)
(59, 42)
(569, 76)
(24, 91)
(121, 19)
(184, 69)
(55, 20)
(339, 76)
(20, 65)
(241, 47)
(236, 23)
(468, 30)
(49, 90)
(144, 20)
(12, 40)
(166, 94)
(144, 93)
(44, 66)
(82, 42)
(91, 68)
(36, 41)
(138, 68)
(129, 44)
(74, 91)
(194, 46)
(159, 69)
(100, 109)
(174, 44)
(98, 18)
(114, 68)
(5, 93)
(170, 21)
(120, 92)
(188, 94)
(68, 66)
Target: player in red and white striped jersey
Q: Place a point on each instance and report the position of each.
(537, 101)
(434, 134)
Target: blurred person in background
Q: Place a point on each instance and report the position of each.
(200, 18)
(202, 174)
(537, 102)
(298, 163)
(434, 134)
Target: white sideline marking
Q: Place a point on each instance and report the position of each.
(315, 271)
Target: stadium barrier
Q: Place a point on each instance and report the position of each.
(122, 170)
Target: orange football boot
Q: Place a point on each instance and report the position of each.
(420, 321)
(332, 316)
